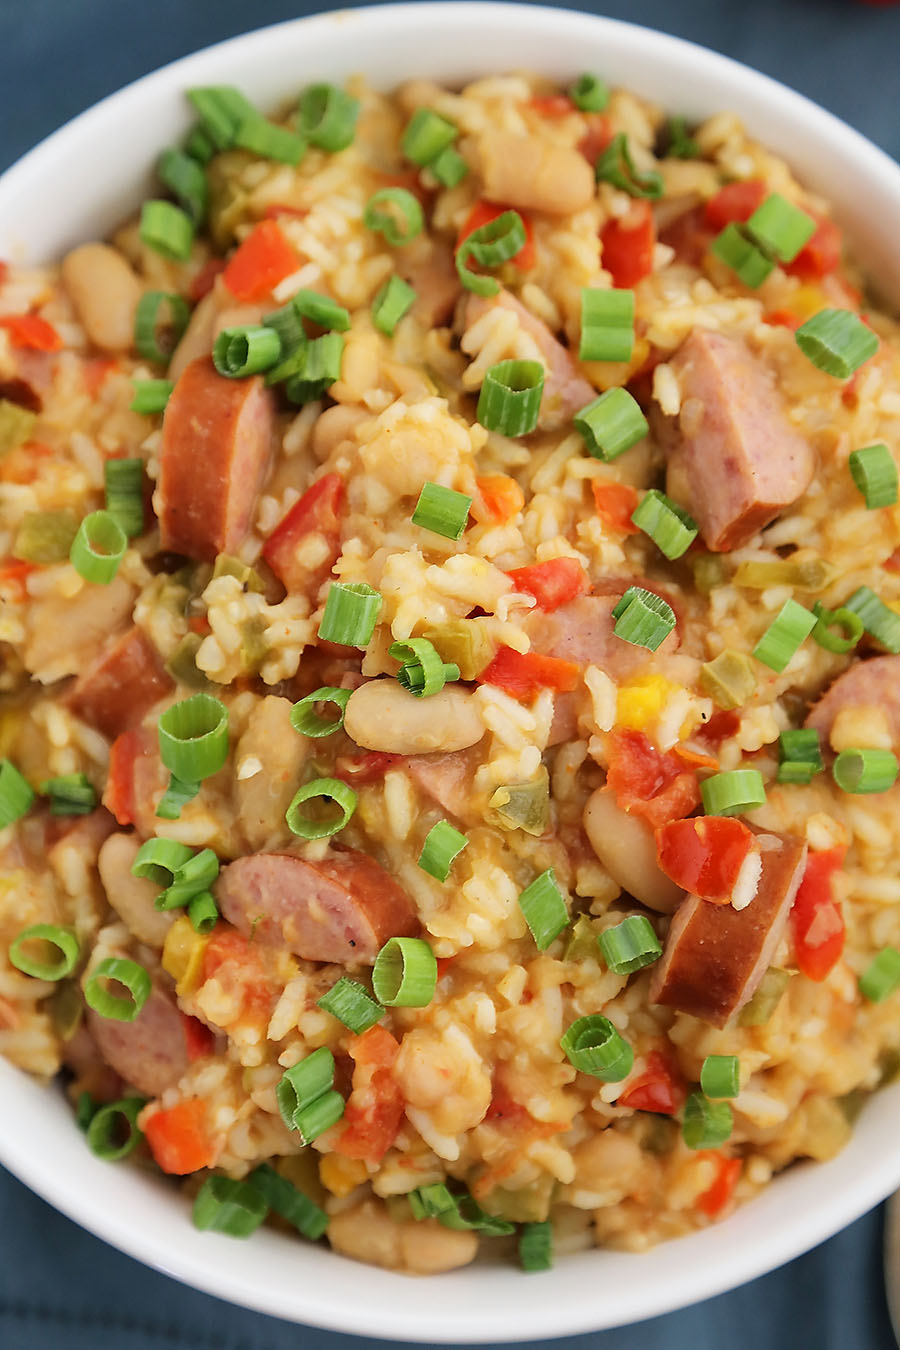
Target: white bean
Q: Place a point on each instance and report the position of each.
(381, 715)
(130, 896)
(105, 293)
(625, 845)
(368, 1233)
(529, 171)
(262, 798)
(335, 425)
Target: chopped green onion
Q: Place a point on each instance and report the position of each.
(262, 137)
(735, 250)
(781, 228)
(449, 168)
(224, 1205)
(193, 877)
(16, 794)
(836, 341)
(643, 619)
(124, 483)
(203, 913)
(671, 528)
(311, 369)
(616, 166)
(107, 1126)
(326, 116)
(460, 1212)
(287, 322)
(221, 108)
(865, 771)
(728, 679)
(443, 844)
(845, 619)
(160, 860)
(98, 548)
(351, 1005)
(882, 976)
(62, 939)
(422, 672)
(510, 397)
(611, 424)
(321, 310)
(875, 474)
(630, 945)
(442, 510)
(733, 792)
(706, 1124)
(589, 93)
(784, 636)
(593, 1046)
(395, 213)
(306, 1098)
(199, 145)
(167, 230)
(85, 1109)
(426, 136)
(720, 1076)
(878, 619)
(799, 756)
(681, 145)
(150, 325)
(536, 1243)
(522, 806)
(182, 664)
(150, 396)
(543, 905)
(490, 246)
(288, 1201)
(45, 536)
(185, 179)
(762, 1005)
(130, 976)
(179, 792)
(395, 298)
(351, 611)
(607, 324)
(193, 737)
(430, 1202)
(807, 574)
(308, 722)
(330, 789)
(246, 351)
(405, 973)
(70, 795)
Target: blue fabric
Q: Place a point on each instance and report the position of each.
(59, 1287)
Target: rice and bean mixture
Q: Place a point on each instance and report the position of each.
(450, 601)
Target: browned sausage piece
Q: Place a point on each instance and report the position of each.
(429, 269)
(737, 462)
(216, 447)
(582, 631)
(867, 684)
(716, 955)
(123, 683)
(150, 1053)
(446, 779)
(342, 908)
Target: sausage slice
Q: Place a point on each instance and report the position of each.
(867, 684)
(716, 955)
(151, 1052)
(737, 462)
(582, 631)
(123, 684)
(216, 448)
(342, 908)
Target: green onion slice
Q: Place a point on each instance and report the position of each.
(799, 755)
(544, 907)
(460, 1212)
(326, 116)
(616, 166)
(589, 93)
(593, 1046)
(706, 1124)
(262, 137)
(395, 298)
(193, 737)
(733, 792)
(72, 794)
(422, 672)
(124, 483)
(167, 230)
(611, 424)
(16, 794)
(875, 474)
(449, 168)
(720, 1076)
(536, 1241)
(195, 875)
(882, 976)
(865, 771)
(224, 1205)
(643, 618)
(878, 619)
(443, 845)
(737, 251)
(328, 789)
(321, 310)
(781, 228)
(836, 341)
(131, 976)
(395, 213)
(351, 611)
(113, 1130)
(150, 396)
(289, 1202)
(850, 624)
(630, 945)
(221, 108)
(318, 369)
(350, 1004)
(784, 636)
(490, 246)
(681, 145)
(607, 324)
(306, 1097)
(305, 718)
(203, 913)
(155, 335)
(319, 1116)
(187, 182)
(426, 136)
(98, 548)
(671, 528)
(287, 322)
(405, 973)
(160, 860)
(63, 940)
(246, 350)
(176, 796)
(510, 397)
(45, 536)
(442, 510)
(199, 145)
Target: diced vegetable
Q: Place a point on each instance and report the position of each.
(706, 855)
(817, 924)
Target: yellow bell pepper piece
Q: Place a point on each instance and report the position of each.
(182, 956)
(641, 701)
(341, 1175)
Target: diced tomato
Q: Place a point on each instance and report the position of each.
(368, 768)
(317, 512)
(596, 138)
(483, 213)
(523, 675)
(628, 245)
(552, 583)
(720, 726)
(205, 279)
(552, 105)
(782, 318)
(179, 1138)
(198, 1038)
(282, 209)
(660, 1088)
(816, 920)
(375, 1106)
(892, 564)
(14, 574)
(443, 964)
(505, 1110)
(31, 331)
(501, 497)
(705, 855)
(822, 253)
(648, 782)
(735, 201)
(714, 1200)
(235, 962)
(263, 259)
(616, 503)
(119, 795)
(200, 624)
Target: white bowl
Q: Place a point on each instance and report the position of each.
(78, 184)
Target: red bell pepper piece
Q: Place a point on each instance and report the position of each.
(821, 254)
(119, 795)
(552, 583)
(628, 245)
(501, 497)
(616, 504)
(552, 105)
(317, 512)
(524, 675)
(179, 1138)
(32, 332)
(263, 259)
(483, 213)
(704, 856)
(660, 1088)
(714, 1200)
(648, 782)
(375, 1106)
(816, 920)
(735, 202)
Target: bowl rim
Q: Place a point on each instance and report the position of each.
(709, 1265)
